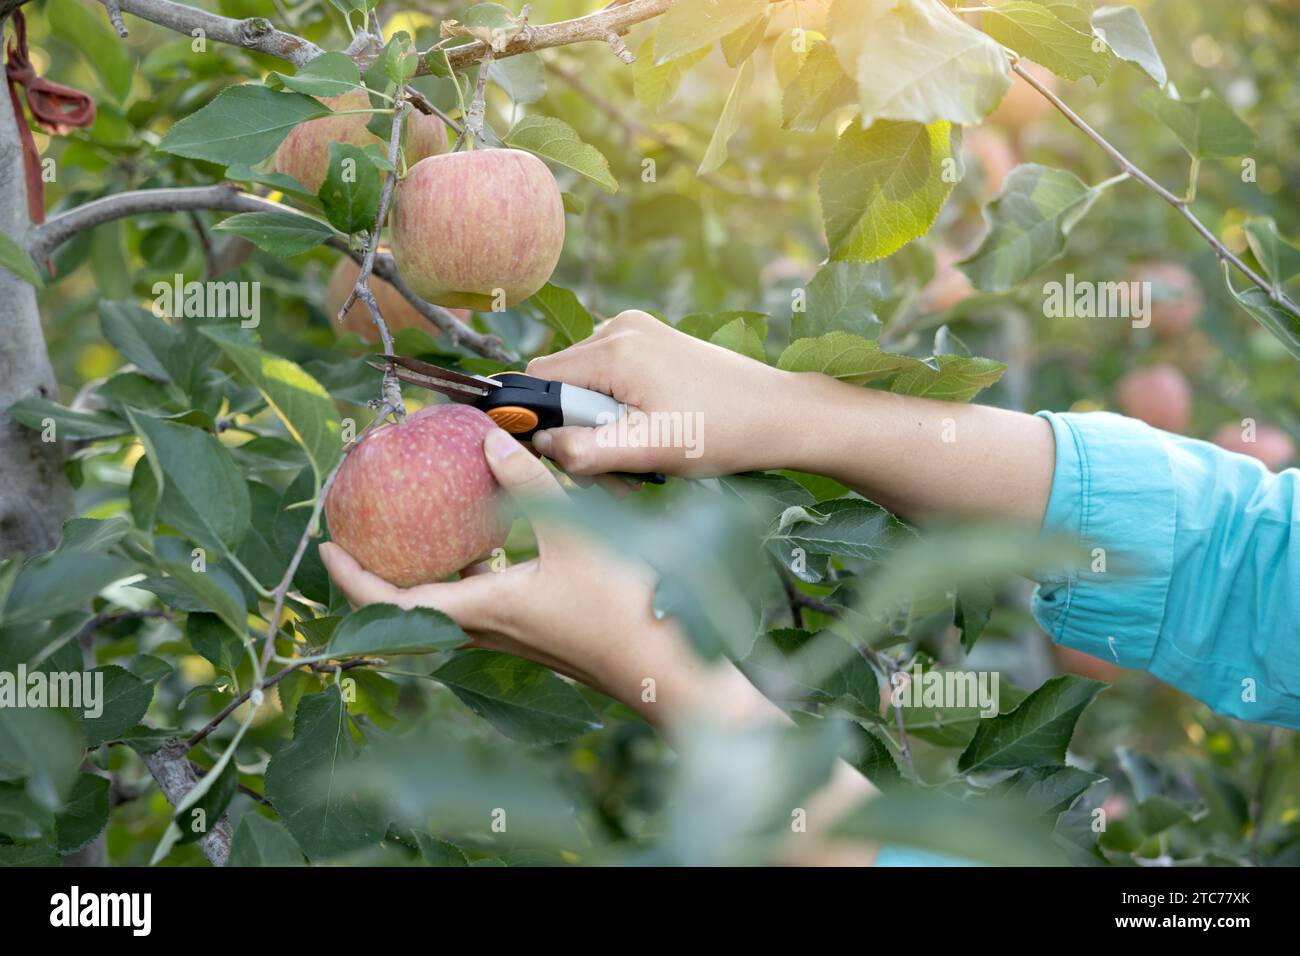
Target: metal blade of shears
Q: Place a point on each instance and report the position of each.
(455, 385)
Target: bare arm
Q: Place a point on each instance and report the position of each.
(920, 457)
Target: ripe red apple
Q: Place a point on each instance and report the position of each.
(1159, 396)
(1272, 446)
(305, 152)
(1176, 297)
(1023, 104)
(467, 225)
(417, 501)
(398, 313)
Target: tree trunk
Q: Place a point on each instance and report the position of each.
(35, 497)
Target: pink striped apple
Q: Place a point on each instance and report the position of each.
(416, 501)
(305, 152)
(481, 229)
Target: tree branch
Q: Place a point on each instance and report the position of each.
(176, 778)
(1181, 203)
(599, 26)
(226, 197)
(255, 33)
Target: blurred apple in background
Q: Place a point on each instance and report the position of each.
(1272, 446)
(949, 286)
(398, 313)
(1159, 396)
(1176, 297)
(1023, 104)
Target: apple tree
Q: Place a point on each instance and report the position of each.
(200, 260)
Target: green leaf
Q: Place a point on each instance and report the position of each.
(557, 141)
(972, 608)
(1158, 813)
(1028, 225)
(728, 122)
(654, 85)
(279, 233)
(739, 45)
(186, 589)
(44, 749)
(872, 757)
(1046, 791)
(794, 664)
(1036, 733)
(744, 336)
(300, 402)
(330, 74)
(1206, 126)
(1126, 33)
(383, 629)
(350, 192)
(15, 258)
(842, 297)
(1283, 323)
(819, 88)
(214, 640)
(705, 325)
(561, 310)
(523, 77)
(846, 357)
(439, 852)
(1277, 255)
(167, 352)
(51, 584)
(196, 821)
(882, 187)
(21, 817)
(85, 814)
(523, 700)
(913, 60)
(997, 832)
(687, 27)
(125, 700)
(844, 527)
(304, 782)
(262, 842)
(203, 494)
(1035, 32)
(957, 378)
(69, 424)
(101, 47)
(244, 124)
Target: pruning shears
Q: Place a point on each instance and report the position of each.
(519, 404)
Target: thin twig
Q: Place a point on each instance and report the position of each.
(1180, 203)
(271, 681)
(254, 33)
(596, 27)
(313, 527)
(391, 390)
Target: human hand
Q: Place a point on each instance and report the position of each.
(722, 412)
(576, 608)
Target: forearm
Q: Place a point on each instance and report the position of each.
(688, 690)
(916, 456)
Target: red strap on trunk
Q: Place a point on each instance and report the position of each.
(55, 108)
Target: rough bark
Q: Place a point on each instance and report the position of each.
(176, 778)
(35, 496)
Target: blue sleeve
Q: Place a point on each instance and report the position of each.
(1197, 576)
(890, 855)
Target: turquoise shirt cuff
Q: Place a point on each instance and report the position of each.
(890, 855)
(1113, 608)
(1195, 572)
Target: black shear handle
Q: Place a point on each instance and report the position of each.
(525, 405)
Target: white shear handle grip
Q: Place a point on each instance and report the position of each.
(582, 406)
